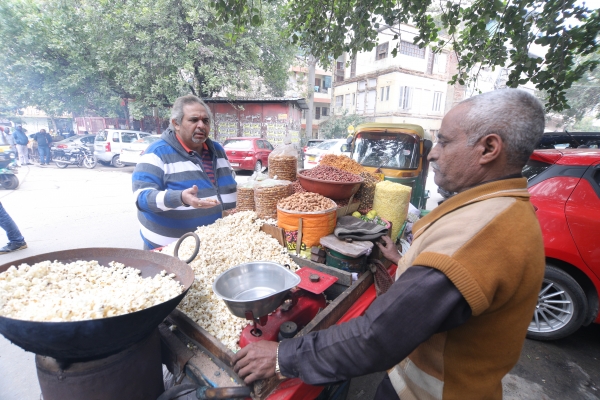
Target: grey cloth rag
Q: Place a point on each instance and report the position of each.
(357, 229)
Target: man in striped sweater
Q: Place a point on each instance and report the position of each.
(184, 180)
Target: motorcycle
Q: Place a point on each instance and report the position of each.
(77, 156)
(8, 168)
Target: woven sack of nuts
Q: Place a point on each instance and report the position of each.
(366, 193)
(267, 194)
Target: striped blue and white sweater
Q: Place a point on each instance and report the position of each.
(164, 171)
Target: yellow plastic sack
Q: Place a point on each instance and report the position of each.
(391, 203)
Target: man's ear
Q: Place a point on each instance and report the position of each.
(492, 146)
(175, 125)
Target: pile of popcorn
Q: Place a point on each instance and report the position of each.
(81, 290)
(230, 241)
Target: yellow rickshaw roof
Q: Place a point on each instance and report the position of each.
(410, 129)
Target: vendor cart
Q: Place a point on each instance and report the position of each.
(398, 151)
(193, 355)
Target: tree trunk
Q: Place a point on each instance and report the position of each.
(312, 62)
(54, 124)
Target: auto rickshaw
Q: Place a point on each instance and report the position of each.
(399, 151)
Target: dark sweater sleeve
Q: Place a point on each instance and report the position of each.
(419, 304)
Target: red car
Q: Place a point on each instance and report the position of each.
(250, 153)
(565, 191)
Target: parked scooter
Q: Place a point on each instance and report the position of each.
(77, 156)
(8, 168)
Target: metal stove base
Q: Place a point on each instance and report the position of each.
(132, 374)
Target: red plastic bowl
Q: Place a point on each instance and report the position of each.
(333, 190)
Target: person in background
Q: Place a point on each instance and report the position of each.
(184, 180)
(21, 141)
(43, 140)
(453, 323)
(10, 139)
(16, 241)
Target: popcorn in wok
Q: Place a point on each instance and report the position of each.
(228, 242)
(81, 290)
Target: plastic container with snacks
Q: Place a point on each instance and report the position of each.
(267, 194)
(283, 163)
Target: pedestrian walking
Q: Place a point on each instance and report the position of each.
(21, 141)
(43, 140)
(16, 241)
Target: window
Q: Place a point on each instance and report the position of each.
(324, 111)
(339, 101)
(318, 82)
(382, 51)
(362, 85)
(382, 94)
(533, 168)
(372, 83)
(411, 49)
(238, 144)
(349, 100)
(406, 93)
(128, 137)
(115, 137)
(399, 151)
(439, 63)
(317, 112)
(437, 102)
(353, 98)
(260, 144)
(385, 94)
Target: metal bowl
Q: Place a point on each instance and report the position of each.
(259, 287)
(332, 189)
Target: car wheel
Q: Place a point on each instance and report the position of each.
(9, 182)
(258, 166)
(561, 307)
(116, 162)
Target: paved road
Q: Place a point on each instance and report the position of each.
(75, 208)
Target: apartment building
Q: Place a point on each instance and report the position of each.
(298, 87)
(409, 88)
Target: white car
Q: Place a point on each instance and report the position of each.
(132, 154)
(109, 143)
(313, 155)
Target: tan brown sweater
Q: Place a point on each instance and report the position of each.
(488, 242)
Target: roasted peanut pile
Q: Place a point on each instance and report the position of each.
(327, 173)
(230, 241)
(342, 162)
(297, 187)
(306, 202)
(267, 197)
(81, 290)
(245, 198)
(284, 167)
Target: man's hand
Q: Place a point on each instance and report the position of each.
(256, 361)
(388, 249)
(189, 197)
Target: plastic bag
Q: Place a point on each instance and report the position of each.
(245, 196)
(283, 162)
(267, 194)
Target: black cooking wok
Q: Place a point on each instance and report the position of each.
(80, 340)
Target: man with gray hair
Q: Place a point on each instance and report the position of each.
(454, 321)
(184, 180)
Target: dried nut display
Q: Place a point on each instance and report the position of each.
(245, 198)
(267, 197)
(284, 167)
(327, 173)
(342, 162)
(80, 290)
(366, 193)
(228, 242)
(297, 187)
(306, 202)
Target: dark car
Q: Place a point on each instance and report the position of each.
(248, 153)
(565, 192)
